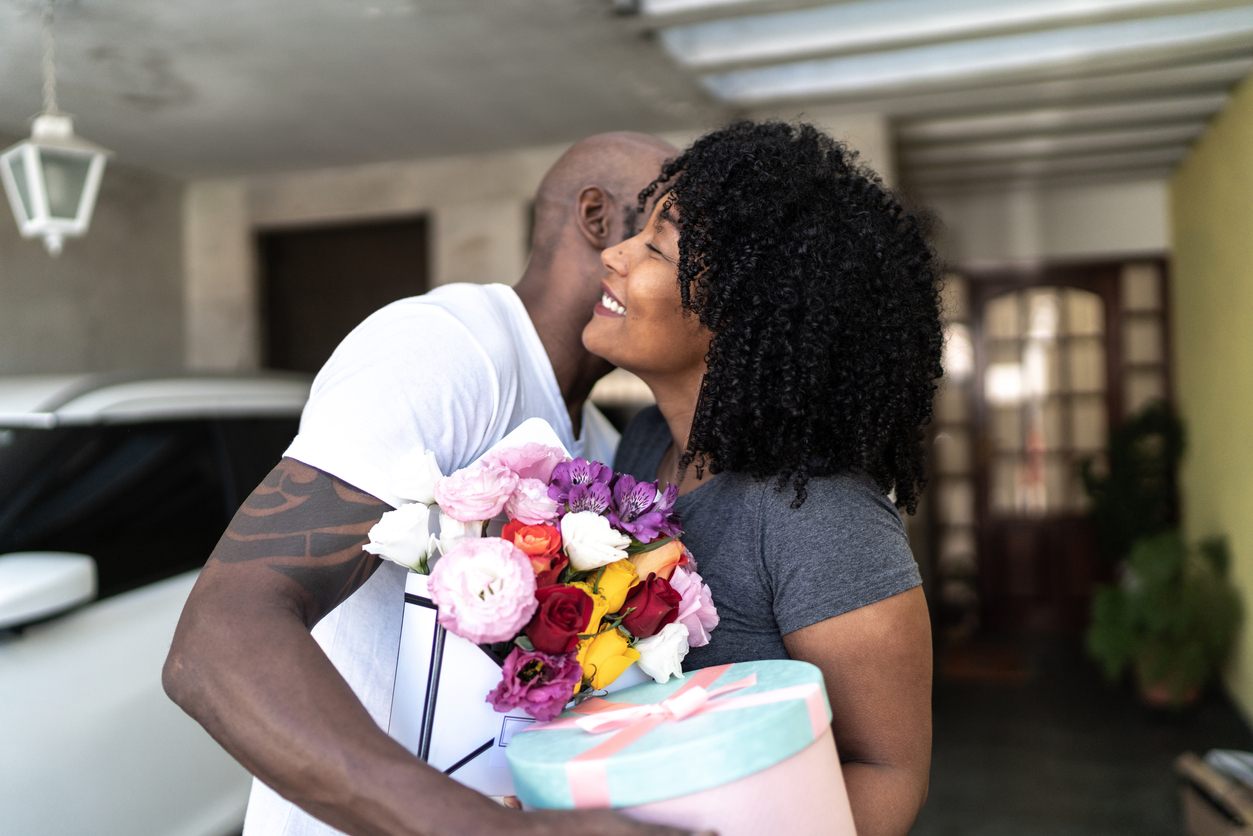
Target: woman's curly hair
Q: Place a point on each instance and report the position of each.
(822, 295)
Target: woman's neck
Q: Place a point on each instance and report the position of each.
(676, 398)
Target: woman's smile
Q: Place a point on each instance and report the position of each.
(609, 304)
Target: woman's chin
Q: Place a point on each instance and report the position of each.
(604, 345)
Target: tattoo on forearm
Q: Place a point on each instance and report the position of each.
(308, 526)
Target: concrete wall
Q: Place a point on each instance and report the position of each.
(1212, 209)
(1037, 223)
(113, 299)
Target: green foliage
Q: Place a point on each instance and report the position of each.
(1136, 496)
(1173, 615)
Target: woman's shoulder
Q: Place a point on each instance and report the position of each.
(847, 494)
(643, 442)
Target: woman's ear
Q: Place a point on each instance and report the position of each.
(594, 215)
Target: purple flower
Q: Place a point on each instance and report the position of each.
(594, 497)
(665, 506)
(642, 511)
(578, 472)
(538, 683)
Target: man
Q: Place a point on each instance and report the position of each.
(452, 371)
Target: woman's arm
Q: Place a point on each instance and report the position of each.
(876, 661)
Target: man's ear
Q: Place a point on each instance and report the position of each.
(594, 214)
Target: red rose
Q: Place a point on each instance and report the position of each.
(564, 613)
(653, 604)
(541, 543)
(548, 569)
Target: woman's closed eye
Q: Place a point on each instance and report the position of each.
(660, 253)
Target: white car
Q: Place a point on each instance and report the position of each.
(113, 493)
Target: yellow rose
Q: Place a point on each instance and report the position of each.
(616, 582)
(600, 604)
(605, 657)
(611, 592)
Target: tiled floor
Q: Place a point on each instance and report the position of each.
(1061, 753)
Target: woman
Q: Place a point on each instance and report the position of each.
(783, 309)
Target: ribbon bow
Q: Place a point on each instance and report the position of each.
(683, 704)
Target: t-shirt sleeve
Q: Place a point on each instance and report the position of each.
(411, 375)
(844, 548)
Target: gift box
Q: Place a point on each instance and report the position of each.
(740, 749)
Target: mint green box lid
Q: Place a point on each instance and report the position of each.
(756, 727)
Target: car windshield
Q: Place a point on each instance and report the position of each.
(145, 500)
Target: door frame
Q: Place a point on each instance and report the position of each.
(1104, 278)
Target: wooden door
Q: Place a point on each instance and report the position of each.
(318, 284)
(1047, 384)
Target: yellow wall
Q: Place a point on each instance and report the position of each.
(1212, 298)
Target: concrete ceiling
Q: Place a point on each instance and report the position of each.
(207, 87)
(978, 91)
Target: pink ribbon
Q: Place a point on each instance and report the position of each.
(589, 780)
(680, 706)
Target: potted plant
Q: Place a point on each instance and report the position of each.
(1172, 617)
(1133, 492)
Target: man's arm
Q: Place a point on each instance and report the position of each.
(876, 662)
(244, 665)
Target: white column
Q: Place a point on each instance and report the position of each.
(220, 306)
(480, 242)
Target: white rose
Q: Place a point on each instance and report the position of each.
(590, 541)
(451, 531)
(403, 536)
(415, 475)
(661, 655)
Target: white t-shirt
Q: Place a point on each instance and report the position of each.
(452, 371)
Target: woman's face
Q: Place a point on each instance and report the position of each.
(639, 324)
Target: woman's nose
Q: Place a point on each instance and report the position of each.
(614, 258)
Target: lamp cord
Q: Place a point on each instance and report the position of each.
(49, 63)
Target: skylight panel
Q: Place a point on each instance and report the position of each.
(963, 61)
(1061, 118)
(875, 24)
(669, 7)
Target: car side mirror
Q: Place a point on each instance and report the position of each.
(38, 585)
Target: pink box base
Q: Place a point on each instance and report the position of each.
(801, 796)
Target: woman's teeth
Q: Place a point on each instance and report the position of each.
(612, 304)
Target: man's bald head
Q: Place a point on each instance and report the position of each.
(618, 164)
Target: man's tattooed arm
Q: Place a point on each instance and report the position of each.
(244, 665)
(309, 527)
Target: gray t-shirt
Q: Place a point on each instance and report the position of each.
(773, 569)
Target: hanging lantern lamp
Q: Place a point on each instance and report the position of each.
(52, 178)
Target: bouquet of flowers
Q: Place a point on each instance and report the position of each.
(586, 577)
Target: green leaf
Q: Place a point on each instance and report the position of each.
(524, 643)
(637, 547)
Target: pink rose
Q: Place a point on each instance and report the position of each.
(485, 590)
(696, 607)
(530, 461)
(531, 504)
(475, 493)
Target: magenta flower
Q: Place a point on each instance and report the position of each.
(538, 683)
(578, 472)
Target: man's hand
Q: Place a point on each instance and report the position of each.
(244, 665)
